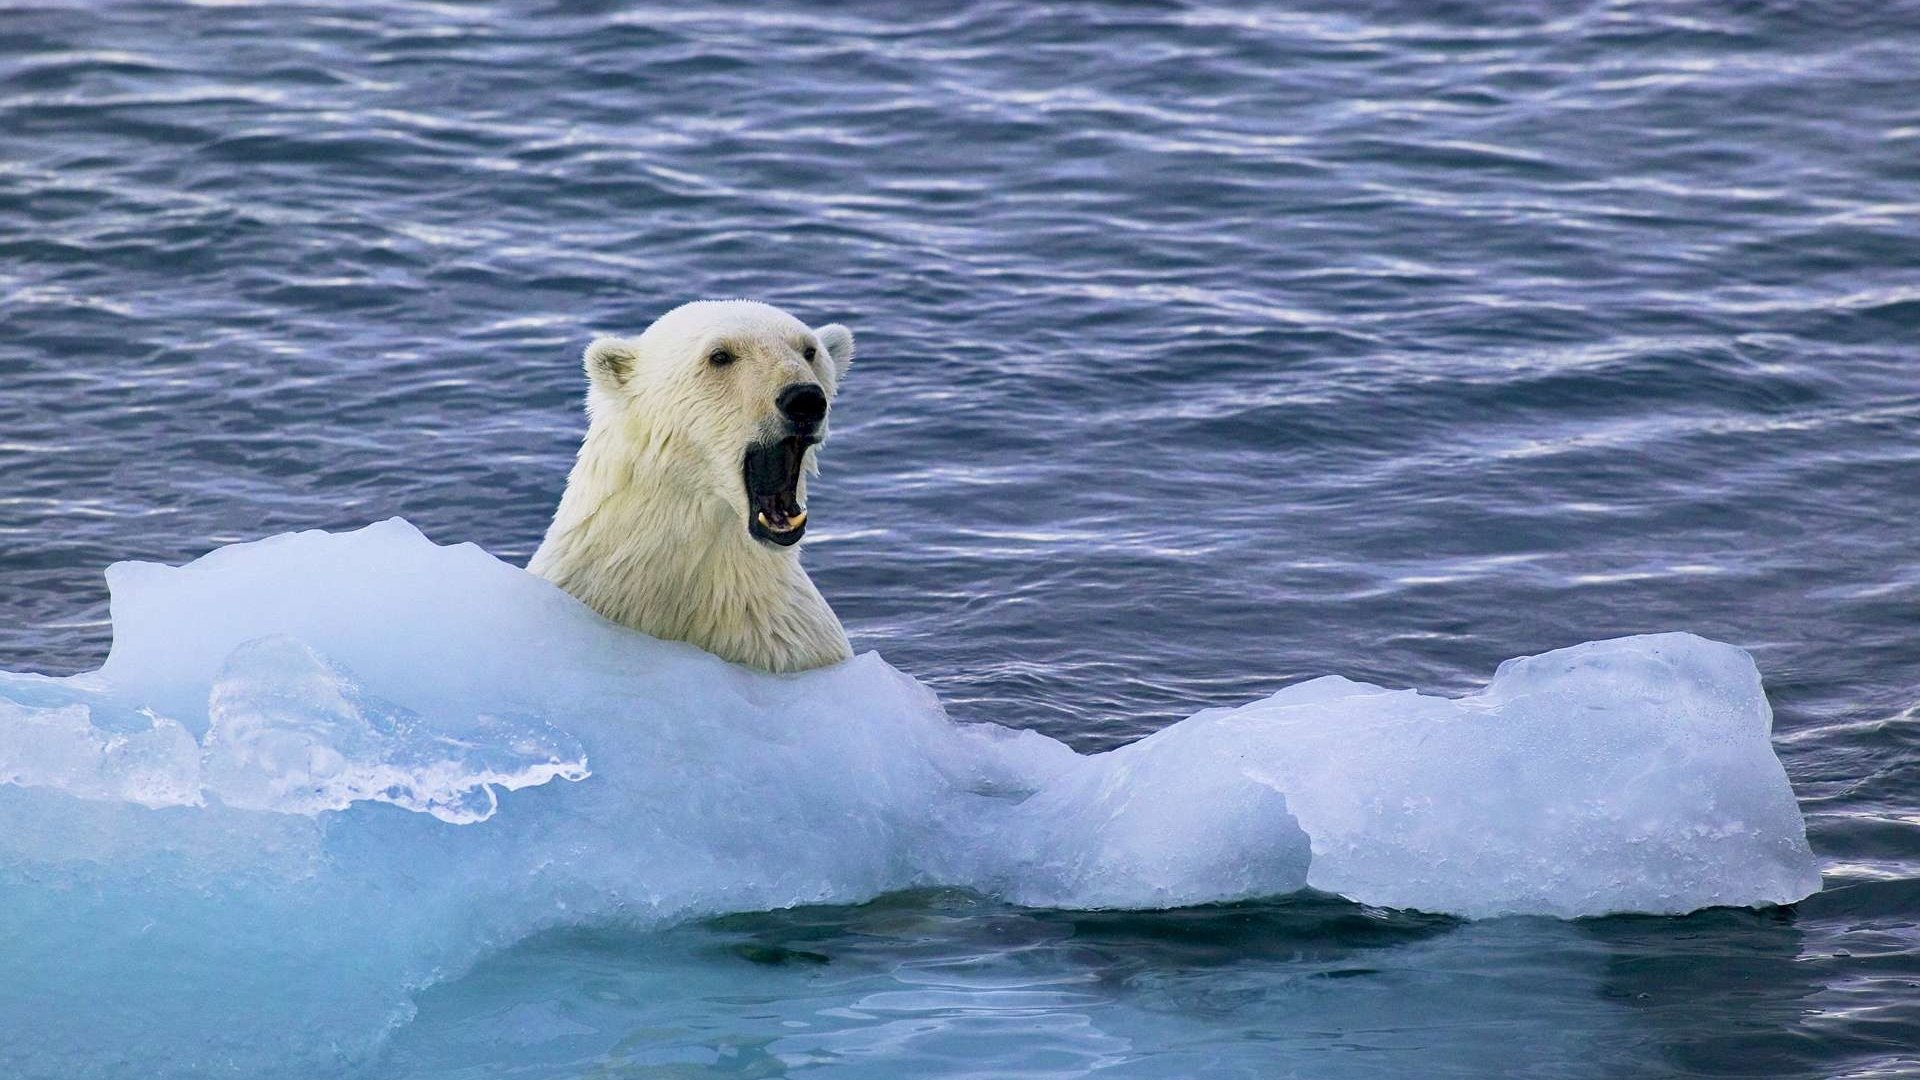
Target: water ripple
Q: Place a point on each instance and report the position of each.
(1202, 349)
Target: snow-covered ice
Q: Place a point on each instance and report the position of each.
(321, 770)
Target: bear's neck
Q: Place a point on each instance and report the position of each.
(640, 544)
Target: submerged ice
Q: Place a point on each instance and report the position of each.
(322, 770)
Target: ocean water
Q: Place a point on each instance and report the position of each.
(1202, 350)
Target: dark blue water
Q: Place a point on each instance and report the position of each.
(1201, 350)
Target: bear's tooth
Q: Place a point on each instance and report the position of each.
(797, 520)
(762, 517)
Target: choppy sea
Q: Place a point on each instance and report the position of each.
(1202, 349)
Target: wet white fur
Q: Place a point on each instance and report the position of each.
(652, 530)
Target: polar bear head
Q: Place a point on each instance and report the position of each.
(727, 400)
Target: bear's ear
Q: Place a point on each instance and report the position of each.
(839, 342)
(610, 362)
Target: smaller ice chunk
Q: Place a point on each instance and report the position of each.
(1630, 775)
(292, 733)
(286, 731)
(60, 747)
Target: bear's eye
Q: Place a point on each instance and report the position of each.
(720, 357)
(808, 353)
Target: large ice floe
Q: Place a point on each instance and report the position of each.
(322, 770)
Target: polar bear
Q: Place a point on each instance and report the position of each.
(681, 514)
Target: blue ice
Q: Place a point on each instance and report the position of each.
(321, 771)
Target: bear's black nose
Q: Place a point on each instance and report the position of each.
(803, 403)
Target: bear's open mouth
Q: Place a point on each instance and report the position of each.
(772, 472)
